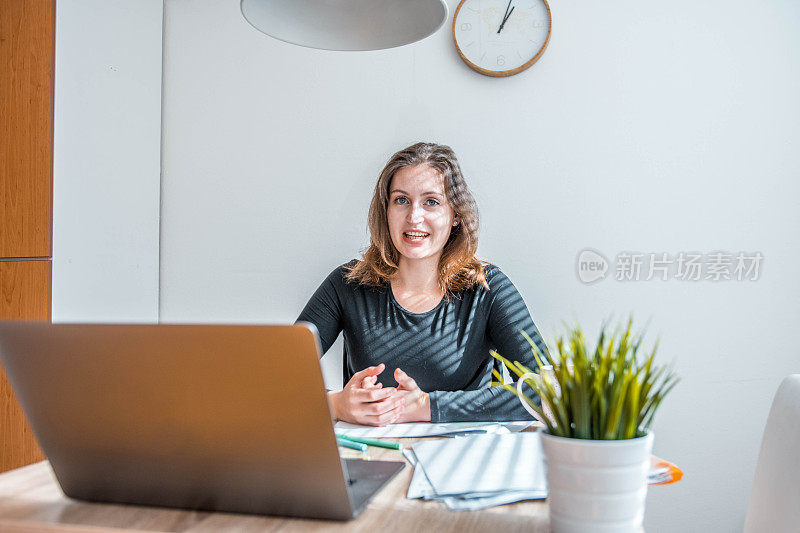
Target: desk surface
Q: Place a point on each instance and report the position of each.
(31, 500)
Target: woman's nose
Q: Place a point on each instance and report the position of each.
(415, 213)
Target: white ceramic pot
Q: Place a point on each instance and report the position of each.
(596, 485)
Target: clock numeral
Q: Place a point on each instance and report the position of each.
(501, 60)
(538, 24)
(466, 26)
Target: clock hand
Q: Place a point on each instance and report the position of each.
(506, 12)
(505, 19)
(505, 16)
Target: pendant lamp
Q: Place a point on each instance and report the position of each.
(346, 24)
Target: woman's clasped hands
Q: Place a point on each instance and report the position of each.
(365, 401)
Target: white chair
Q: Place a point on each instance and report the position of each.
(775, 498)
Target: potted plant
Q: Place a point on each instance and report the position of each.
(597, 407)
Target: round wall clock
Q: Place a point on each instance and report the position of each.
(501, 37)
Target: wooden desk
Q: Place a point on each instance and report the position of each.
(31, 500)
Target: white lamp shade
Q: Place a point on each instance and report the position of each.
(346, 24)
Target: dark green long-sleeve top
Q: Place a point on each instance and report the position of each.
(445, 350)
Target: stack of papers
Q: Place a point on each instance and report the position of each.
(476, 472)
(426, 429)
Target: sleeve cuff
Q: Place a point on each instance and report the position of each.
(434, 399)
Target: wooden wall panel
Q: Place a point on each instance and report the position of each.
(27, 37)
(26, 126)
(24, 294)
(25, 290)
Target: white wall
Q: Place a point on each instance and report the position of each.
(656, 127)
(646, 126)
(106, 170)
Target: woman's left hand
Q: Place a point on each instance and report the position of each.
(417, 402)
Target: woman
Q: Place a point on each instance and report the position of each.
(420, 307)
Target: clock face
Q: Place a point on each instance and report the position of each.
(501, 38)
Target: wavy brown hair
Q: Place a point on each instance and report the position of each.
(459, 269)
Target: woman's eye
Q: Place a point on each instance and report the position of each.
(432, 202)
(400, 200)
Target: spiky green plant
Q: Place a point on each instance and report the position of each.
(605, 394)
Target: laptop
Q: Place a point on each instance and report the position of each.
(208, 417)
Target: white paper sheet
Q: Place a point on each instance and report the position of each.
(484, 502)
(483, 464)
(421, 487)
(426, 429)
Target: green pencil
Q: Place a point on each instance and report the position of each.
(373, 442)
(360, 446)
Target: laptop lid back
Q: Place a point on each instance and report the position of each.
(220, 418)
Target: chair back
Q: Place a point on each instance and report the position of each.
(775, 498)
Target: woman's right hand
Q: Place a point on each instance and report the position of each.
(362, 402)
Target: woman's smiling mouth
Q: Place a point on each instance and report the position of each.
(415, 237)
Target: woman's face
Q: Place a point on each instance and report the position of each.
(420, 217)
